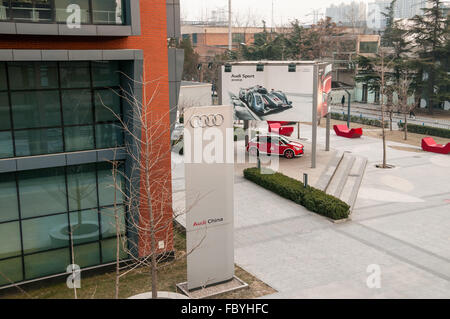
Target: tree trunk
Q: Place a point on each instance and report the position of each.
(382, 109)
(116, 217)
(406, 127)
(390, 120)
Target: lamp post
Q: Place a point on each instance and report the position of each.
(230, 38)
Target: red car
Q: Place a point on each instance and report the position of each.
(275, 144)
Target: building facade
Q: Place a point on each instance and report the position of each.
(61, 107)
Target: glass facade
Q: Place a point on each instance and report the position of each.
(55, 107)
(60, 11)
(38, 205)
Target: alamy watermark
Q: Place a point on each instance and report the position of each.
(374, 279)
(74, 19)
(211, 146)
(74, 279)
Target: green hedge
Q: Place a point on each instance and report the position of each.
(357, 119)
(426, 130)
(313, 199)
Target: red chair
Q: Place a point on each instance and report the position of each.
(277, 129)
(344, 131)
(429, 145)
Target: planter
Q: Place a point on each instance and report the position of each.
(86, 232)
(161, 295)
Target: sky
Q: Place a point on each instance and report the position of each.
(284, 10)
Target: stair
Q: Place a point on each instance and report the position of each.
(345, 181)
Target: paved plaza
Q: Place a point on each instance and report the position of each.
(401, 223)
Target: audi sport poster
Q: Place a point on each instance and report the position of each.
(271, 91)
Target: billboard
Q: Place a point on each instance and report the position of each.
(209, 178)
(324, 89)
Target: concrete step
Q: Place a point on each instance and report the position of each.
(351, 187)
(340, 176)
(325, 178)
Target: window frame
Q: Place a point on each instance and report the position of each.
(10, 18)
(92, 91)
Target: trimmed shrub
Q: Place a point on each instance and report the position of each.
(358, 119)
(313, 199)
(426, 130)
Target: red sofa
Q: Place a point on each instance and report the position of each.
(277, 129)
(429, 145)
(344, 131)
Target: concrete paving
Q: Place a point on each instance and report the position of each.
(400, 222)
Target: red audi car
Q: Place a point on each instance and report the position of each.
(275, 144)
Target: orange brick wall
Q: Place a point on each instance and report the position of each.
(153, 41)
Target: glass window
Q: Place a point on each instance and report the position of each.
(109, 249)
(11, 271)
(6, 147)
(40, 234)
(105, 99)
(37, 142)
(106, 188)
(8, 198)
(74, 74)
(32, 10)
(79, 138)
(108, 216)
(107, 11)
(87, 255)
(10, 240)
(42, 192)
(32, 109)
(48, 263)
(33, 75)
(61, 7)
(85, 226)
(108, 135)
(77, 107)
(3, 84)
(368, 47)
(81, 183)
(106, 73)
(5, 119)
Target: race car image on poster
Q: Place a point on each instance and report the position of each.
(259, 101)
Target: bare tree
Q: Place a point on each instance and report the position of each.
(403, 93)
(146, 187)
(382, 69)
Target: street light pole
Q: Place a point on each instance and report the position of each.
(348, 108)
(230, 38)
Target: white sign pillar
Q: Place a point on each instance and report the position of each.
(209, 177)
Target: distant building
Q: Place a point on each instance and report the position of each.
(351, 14)
(406, 9)
(209, 40)
(375, 18)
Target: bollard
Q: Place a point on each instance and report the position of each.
(305, 180)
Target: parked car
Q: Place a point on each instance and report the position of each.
(275, 144)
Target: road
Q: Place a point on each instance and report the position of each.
(371, 111)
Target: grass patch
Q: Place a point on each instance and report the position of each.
(313, 199)
(100, 283)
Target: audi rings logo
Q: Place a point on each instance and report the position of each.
(203, 121)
